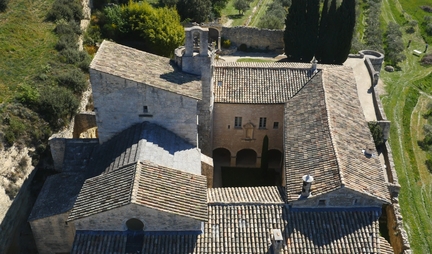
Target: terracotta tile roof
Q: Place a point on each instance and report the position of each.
(143, 67)
(308, 143)
(246, 195)
(351, 134)
(246, 229)
(325, 132)
(257, 83)
(172, 191)
(144, 184)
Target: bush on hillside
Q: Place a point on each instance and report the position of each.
(64, 27)
(67, 41)
(73, 79)
(68, 10)
(427, 59)
(73, 56)
(57, 105)
(3, 5)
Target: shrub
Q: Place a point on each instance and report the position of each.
(426, 8)
(67, 41)
(65, 9)
(377, 133)
(74, 79)
(427, 59)
(243, 47)
(57, 105)
(226, 43)
(73, 56)
(410, 30)
(15, 129)
(65, 27)
(3, 5)
(28, 95)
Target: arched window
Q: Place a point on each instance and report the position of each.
(134, 224)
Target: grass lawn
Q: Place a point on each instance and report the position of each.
(247, 177)
(26, 43)
(238, 19)
(404, 105)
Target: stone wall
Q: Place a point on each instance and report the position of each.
(207, 169)
(398, 236)
(83, 122)
(52, 234)
(263, 39)
(154, 220)
(234, 139)
(119, 103)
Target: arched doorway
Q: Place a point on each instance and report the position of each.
(246, 158)
(221, 157)
(274, 158)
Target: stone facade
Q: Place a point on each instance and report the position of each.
(52, 234)
(154, 220)
(263, 39)
(235, 139)
(342, 197)
(207, 169)
(120, 103)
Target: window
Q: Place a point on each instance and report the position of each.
(237, 122)
(262, 122)
(219, 83)
(276, 125)
(321, 202)
(145, 109)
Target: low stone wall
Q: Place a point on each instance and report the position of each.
(398, 236)
(262, 39)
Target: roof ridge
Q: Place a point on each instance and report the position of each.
(135, 183)
(331, 130)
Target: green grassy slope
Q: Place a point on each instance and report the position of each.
(404, 105)
(26, 43)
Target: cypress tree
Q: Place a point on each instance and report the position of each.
(328, 35)
(310, 31)
(346, 22)
(294, 30)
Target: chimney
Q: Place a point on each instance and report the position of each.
(314, 63)
(307, 182)
(277, 241)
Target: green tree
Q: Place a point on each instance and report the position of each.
(195, 10)
(160, 28)
(264, 153)
(293, 34)
(346, 18)
(241, 6)
(395, 47)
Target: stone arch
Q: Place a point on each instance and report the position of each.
(274, 158)
(246, 158)
(83, 122)
(221, 157)
(214, 36)
(134, 224)
(196, 38)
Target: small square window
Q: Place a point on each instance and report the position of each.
(219, 83)
(237, 122)
(262, 122)
(229, 126)
(145, 109)
(322, 202)
(276, 125)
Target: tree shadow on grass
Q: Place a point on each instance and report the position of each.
(235, 16)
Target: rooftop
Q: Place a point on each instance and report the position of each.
(146, 184)
(146, 68)
(246, 229)
(325, 135)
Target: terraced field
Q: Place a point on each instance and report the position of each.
(404, 105)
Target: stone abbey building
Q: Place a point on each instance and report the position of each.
(165, 127)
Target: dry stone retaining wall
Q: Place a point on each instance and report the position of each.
(263, 39)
